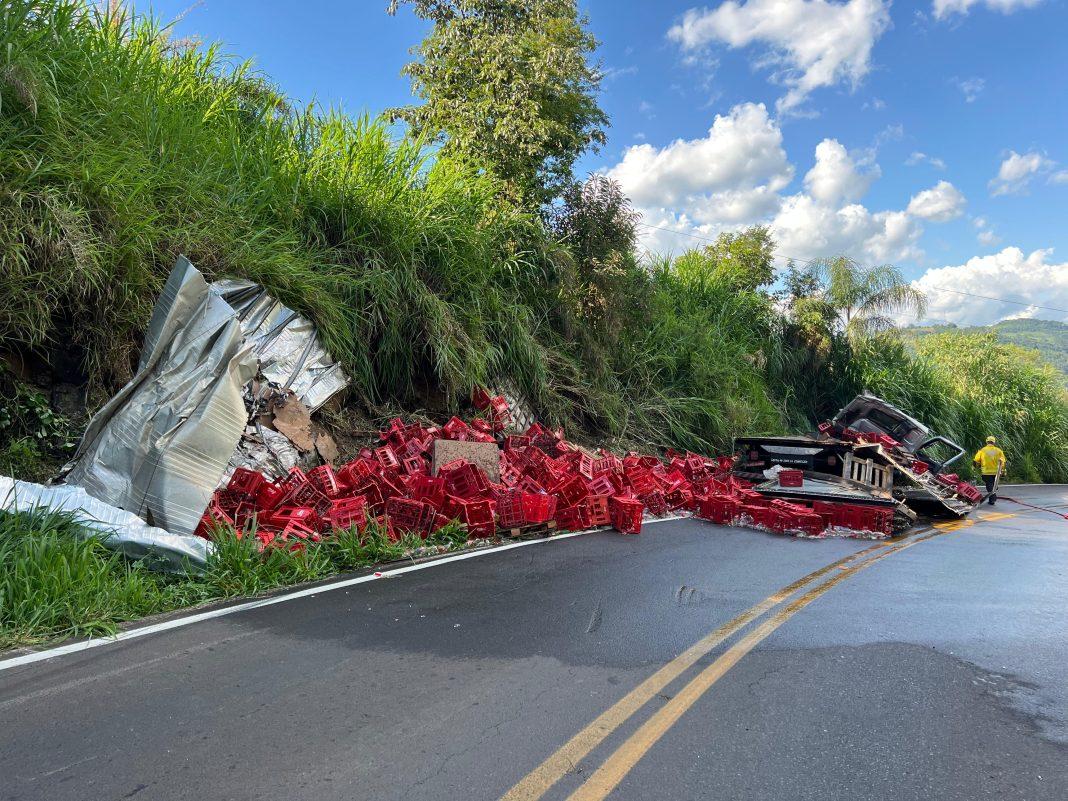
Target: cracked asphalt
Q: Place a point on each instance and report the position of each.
(940, 672)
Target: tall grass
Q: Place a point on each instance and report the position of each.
(59, 580)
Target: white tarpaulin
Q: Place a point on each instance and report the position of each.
(123, 531)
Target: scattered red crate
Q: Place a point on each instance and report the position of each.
(626, 514)
(791, 478)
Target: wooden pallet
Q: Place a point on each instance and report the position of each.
(530, 532)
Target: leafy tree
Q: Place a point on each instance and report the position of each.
(865, 298)
(597, 225)
(509, 85)
(744, 260)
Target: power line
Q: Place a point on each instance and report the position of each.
(999, 300)
(925, 289)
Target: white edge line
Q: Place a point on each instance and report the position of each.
(188, 620)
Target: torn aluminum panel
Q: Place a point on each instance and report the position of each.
(158, 447)
(285, 343)
(123, 531)
(265, 451)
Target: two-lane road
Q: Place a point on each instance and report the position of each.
(692, 661)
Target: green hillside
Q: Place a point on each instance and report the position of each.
(1048, 337)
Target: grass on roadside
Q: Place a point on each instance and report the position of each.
(57, 580)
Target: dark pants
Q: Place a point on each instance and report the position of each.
(989, 481)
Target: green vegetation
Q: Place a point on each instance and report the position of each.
(507, 85)
(1048, 337)
(58, 581)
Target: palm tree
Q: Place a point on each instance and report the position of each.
(867, 298)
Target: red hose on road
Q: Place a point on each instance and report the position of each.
(1032, 506)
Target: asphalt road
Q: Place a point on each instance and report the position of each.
(931, 667)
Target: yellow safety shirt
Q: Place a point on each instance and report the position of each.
(989, 459)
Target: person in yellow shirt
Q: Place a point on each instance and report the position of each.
(991, 461)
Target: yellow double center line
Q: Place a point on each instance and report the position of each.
(535, 784)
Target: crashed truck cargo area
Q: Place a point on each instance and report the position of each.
(873, 452)
(163, 443)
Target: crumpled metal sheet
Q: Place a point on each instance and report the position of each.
(265, 451)
(158, 447)
(123, 531)
(285, 343)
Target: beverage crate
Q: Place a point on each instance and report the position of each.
(307, 495)
(269, 494)
(351, 474)
(324, 480)
(597, 507)
(791, 478)
(466, 480)
(247, 482)
(348, 512)
(427, 489)
(720, 509)
(572, 490)
(456, 429)
(480, 398)
(969, 492)
(409, 515)
(655, 502)
(626, 514)
(370, 491)
(386, 457)
(573, 518)
(920, 467)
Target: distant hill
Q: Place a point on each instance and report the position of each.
(1048, 337)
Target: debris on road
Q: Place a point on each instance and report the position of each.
(542, 482)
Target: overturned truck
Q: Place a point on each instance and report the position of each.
(870, 454)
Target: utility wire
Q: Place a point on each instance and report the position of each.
(925, 289)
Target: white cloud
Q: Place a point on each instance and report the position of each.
(1060, 177)
(810, 43)
(736, 170)
(941, 203)
(1016, 172)
(1033, 280)
(916, 157)
(835, 176)
(807, 229)
(988, 238)
(971, 88)
(738, 174)
(945, 8)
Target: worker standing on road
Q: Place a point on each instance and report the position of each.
(991, 461)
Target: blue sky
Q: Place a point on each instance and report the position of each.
(928, 134)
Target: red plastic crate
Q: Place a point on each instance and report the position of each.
(247, 482)
(466, 480)
(409, 515)
(655, 502)
(427, 489)
(456, 429)
(269, 494)
(348, 512)
(791, 478)
(718, 509)
(352, 473)
(324, 480)
(597, 506)
(370, 491)
(307, 495)
(476, 514)
(969, 492)
(572, 490)
(480, 398)
(517, 508)
(573, 518)
(626, 514)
